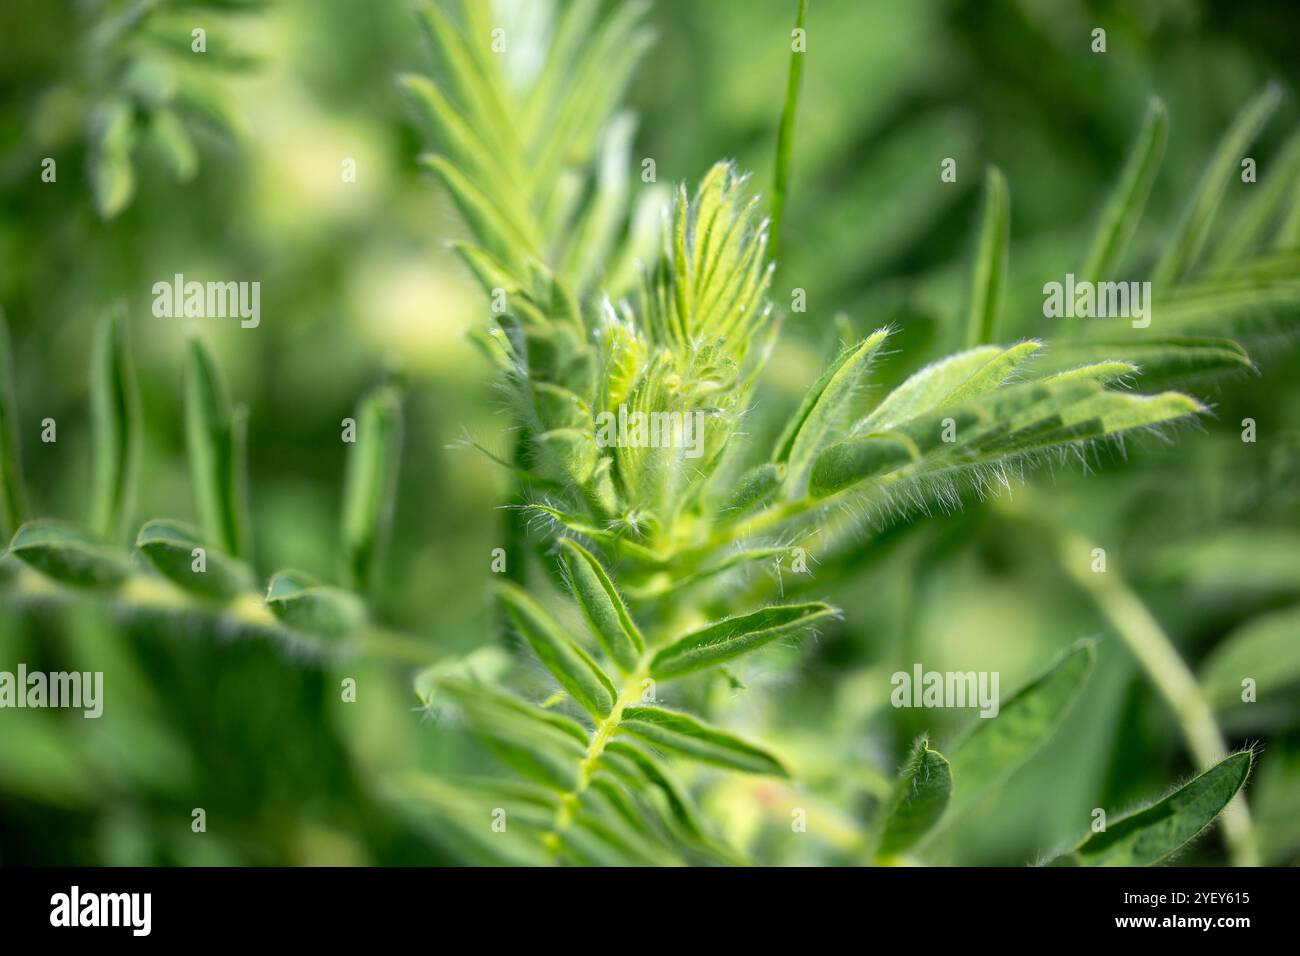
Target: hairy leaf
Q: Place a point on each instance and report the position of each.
(919, 799)
(1151, 835)
(684, 734)
(568, 663)
(996, 746)
(602, 606)
(735, 636)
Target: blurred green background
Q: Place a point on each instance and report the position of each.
(357, 283)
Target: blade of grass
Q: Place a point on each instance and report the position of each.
(1182, 252)
(1123, 212)
(990, 273)
(785, 135)
(113, 401)
(13, 495)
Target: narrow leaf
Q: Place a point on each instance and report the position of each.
(785, 134)
(13, 494)
(735, 636)
(570, 664)
(824, 406)
(1265, 650)
(1123, 211)
(602, 606)
(996, 746)
(213, 438)
(371, 484)
(990, 272)
(1279, 178)
(1151, 835)
(1182, 252)
(114, 403)
(684, 734)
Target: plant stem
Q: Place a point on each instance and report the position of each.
(1167, 671)
(570, 802)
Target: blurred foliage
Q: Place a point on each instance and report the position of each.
(358, 282)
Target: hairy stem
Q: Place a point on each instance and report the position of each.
(570, 802)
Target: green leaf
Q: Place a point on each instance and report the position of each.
(174, 141)
(1264, 207)
(1183, 250)
(215, 452)
(371, 484)
(602, 606)
(755, 487)
(824, 407)
(997, 746)
(785, 133)
(929, 388)
(112, 137)
(13, 494)
(730, 638)
(919, 799)
(114, 401)
(1265, 649)
(306, 605)
(461, 820)
(1161, 362)
(1151, 835)
(170, 547)
(654, 773)
(684, 734)
(1123, 211)
(990, 272)
(69, 554)
(570, 664)
(594, 236)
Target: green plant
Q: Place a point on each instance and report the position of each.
(672, 530)
(659, 305)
